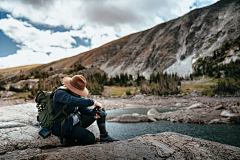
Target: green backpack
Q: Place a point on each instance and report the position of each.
(44, 101)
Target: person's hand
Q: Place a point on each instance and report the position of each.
(98, 104)
(97, 116)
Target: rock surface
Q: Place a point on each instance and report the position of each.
(196, 105)
(199, 115)
(132, 118)
(19, 129)
(152, 111)
(166, 145)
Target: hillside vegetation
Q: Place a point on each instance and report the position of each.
(215, 74)
(222, 67)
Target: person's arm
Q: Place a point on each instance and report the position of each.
(86, 111)
(89, 112)
(63, 96)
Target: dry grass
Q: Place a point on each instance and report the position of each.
(203, 84)
(15, 70)
(119, 91)
(21, 95)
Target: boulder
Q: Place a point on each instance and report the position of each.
(6, 93)
(19, 129)
(166, 145)
(152, 111)
(196, 105)
(131, 118)
(235, 119)
(32, 83)
(218, 107)
(138, 96)
(214, 121)
(227, 113)
(225, 120)
(178, 104)
(135, 114)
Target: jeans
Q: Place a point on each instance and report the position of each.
(80, 135)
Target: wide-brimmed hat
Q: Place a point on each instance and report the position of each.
(76, 84)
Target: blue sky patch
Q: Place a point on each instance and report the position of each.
(198, 4)
(81, 42)
(7, 45)
(3, 14)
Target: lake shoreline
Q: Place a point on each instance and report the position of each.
(204, 109)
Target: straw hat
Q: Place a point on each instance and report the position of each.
(76, 84)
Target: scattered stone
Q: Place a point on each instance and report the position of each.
(196, 105)
(227, 113)
(178, 104)
(138, 96)
(235, 119)
(130, 118)
(135, 114)
(214, 121)
(11, 124)
(6, 93)
(225, 120)
(219, 107)
(152, 111)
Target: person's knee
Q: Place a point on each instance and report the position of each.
(90, 139)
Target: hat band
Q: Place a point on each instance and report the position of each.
(76, 86)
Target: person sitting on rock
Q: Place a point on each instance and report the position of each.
(74, 129)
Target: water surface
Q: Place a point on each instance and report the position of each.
(222, 133)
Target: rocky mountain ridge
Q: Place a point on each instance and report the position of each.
(170, 47)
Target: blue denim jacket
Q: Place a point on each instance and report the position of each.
(62, 97)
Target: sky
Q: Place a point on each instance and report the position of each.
(42, 31)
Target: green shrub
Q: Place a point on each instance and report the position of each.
(128, 93)
(2, 88)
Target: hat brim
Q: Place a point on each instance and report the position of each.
(66, 81)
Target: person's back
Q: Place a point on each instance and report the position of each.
(76, 117)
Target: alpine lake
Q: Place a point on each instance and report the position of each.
(222, 133)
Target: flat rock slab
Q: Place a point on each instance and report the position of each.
(197, 115)
(19, 129)
(132, 118)
(166, 145)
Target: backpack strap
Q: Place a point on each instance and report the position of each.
(64, 107)
(63, 119)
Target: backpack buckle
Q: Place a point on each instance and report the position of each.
(40, 107)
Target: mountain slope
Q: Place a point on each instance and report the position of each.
(172, 46)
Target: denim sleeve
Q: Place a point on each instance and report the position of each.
(85, 111)
(66, 98)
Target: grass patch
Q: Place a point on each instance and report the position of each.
(21, 95)
(17, 69)
(204, 84)
(119, 91)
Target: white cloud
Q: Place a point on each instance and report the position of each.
(100, 21)
(158, 20)
(139, 14)
(34, 44)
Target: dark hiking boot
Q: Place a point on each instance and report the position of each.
(107, 138)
